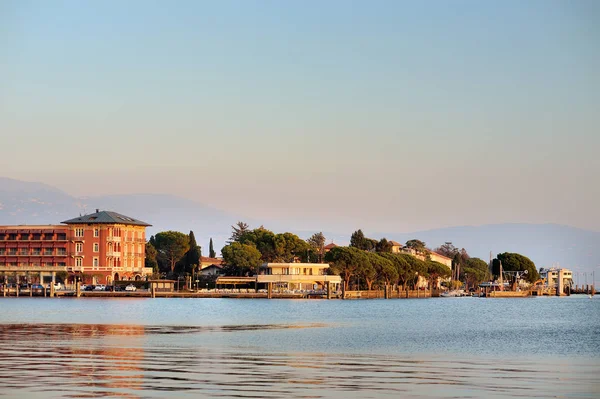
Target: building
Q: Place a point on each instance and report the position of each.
(558, 278)
(98, 248)
(289, 277)
(396, 247)
(444, 260)
(297, 276)
(329, 247)
(205, 262)
(212, 270)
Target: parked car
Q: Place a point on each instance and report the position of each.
(130, 287)
(57, 286)
(83, 287)
(89, 288)
(100, 287)
(37, 287)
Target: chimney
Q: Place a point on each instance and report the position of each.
(97, 210)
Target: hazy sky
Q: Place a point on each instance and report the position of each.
(385, 115)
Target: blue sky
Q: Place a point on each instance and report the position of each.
(389, 115)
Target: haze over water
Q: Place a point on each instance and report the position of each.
(459, 348)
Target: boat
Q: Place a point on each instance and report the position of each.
(453, 294)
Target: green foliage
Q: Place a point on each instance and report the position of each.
(316, 243)
(404, 271)
(238, 230)
(386, 271)
(288, 246)
(263, 240)
(192, 257)
(383, 246)
(517, 262)
(475, 271)
(358, 240)
(345, 262)
(241, 259)
(437, 270)
(418, 246)
(170, 247)
(211, 251)
(151, 256)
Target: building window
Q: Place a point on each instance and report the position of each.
(79, 262)
(47, 251)
(2, 251)
(78, 247)
(79, 232)
(48, 264)
(61, 251)
(24, 251)
(12, 251)
(96, 247)
(95, 262)
(96, 232)
(36, 251)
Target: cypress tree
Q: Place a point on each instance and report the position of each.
(192, 257)
(211, 250)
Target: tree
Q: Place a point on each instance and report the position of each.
(241, 259)
(436, 270)
(358, 240)
(418, 246)
(447, 249)
(517, 262)
(288, 246)
(383, 246)
(193, 254)
(386, 272)
(345, 262)
(263, 240)
(475, 271)
(238, 230)
(151, 257)
(211, 251)
(317, 243)
(171, 246)
(403, 268)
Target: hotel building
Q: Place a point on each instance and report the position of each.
(98, 248)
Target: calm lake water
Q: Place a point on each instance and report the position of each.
(410, 348)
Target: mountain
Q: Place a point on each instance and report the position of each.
(38, 203)
(546, 244)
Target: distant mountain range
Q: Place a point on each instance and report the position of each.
(546, 244)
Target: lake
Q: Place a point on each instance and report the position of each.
(256, 348)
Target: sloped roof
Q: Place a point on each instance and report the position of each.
(395, 243)
(106, 217)
(215, 261)
(330, 246)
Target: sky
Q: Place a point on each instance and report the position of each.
(389, 115)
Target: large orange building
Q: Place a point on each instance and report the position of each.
(99, 248)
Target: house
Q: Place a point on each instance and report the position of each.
(212, 270)
(329, 247)
(205, 262)
(396, 247)
(444, 260)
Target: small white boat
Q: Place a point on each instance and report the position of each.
(453, 294)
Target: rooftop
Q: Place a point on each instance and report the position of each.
(106, 217)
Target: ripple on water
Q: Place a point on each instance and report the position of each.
(129, 361)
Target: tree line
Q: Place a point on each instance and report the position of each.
(367, 259)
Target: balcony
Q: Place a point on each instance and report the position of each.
(113, 239)
(113, 253)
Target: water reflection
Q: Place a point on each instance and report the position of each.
(128, 361)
